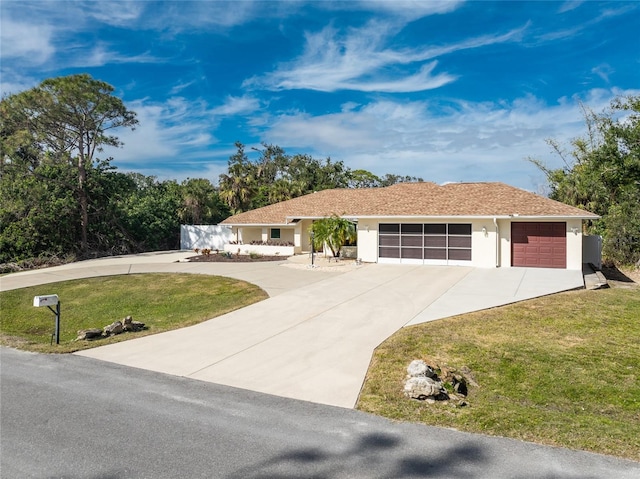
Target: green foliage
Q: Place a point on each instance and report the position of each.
(276, 176)
(201, 203)
(58, 199)
(333, 231)
(602, 175)
(63, 121)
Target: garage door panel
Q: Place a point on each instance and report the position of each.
(389, 240)
(460, 254)
(539, 244)
(460, 241)
(435, 253)
(412, 253)
(386, 252)
(411, 241)
(435, 241)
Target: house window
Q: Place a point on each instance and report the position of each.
(275, 233)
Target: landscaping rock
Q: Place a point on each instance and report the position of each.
(423, 388)
(433, 384)
(418, 368)
(113, 329)
(128, 324)
(87, 334)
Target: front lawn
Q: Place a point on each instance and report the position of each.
(562, 370)
(162, 301)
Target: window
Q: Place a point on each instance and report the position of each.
(275, 233)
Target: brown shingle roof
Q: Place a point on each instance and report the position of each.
(413, 199)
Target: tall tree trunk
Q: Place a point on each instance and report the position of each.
(83, 198)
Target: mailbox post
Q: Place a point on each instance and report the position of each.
(48, 301)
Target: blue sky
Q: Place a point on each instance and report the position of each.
(448, 91)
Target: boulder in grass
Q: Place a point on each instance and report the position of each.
(418, 368)
(423, 388)
(128, 324)
(113, 328)
(88, 334)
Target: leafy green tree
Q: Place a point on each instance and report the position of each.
(239, 185)
(390, 179)
(38, 213)
(276, 176)
(201, 203)
(334, 231)
(601, 174)
(64, 120)
(149, 214)
(363, 179)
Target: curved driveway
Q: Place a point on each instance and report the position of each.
(313, 338)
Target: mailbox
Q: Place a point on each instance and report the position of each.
(49, 300)
(46, 300)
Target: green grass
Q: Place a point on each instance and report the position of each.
(562, 370)
(162, 301)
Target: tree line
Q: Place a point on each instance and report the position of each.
(59, 198)
(601, 174)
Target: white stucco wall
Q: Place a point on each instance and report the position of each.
(368, 240)
(574, 244)
(205, 236)
(483, 244)
(249, 234)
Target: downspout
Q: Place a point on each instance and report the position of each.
(495, 222)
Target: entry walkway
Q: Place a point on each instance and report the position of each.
(313, 338)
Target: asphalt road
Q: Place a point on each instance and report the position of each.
(65, 416)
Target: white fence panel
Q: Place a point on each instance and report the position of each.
(205, 236)
(592, 250)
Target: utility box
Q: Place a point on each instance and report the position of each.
(46, 300)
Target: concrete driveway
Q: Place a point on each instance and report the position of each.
(313, 338)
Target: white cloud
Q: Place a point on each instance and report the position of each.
(168, 131)
(174, 139)
(358, 59)
(30, 43)
(570, 5)
(122, 13)
(603, 71)
(463, 141)
(237, 106)
(101, 54)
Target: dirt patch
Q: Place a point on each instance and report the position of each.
(242, 258)
(625, 278)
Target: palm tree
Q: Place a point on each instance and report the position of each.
(334, 231)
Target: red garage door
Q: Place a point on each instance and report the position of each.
(539, 245)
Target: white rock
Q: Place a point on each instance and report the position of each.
(421, 387)
(418, 368)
